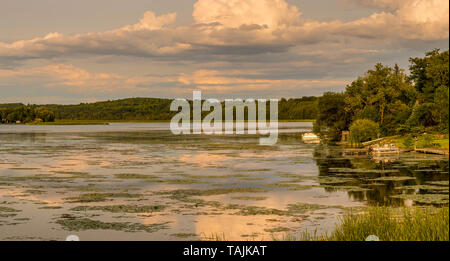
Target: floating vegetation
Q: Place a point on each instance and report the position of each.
(184, 235)
(439, 183)
(292, 209)
(182, 181)
(73, 223)
(348, 188)
(121, 208)
(254, 211)
(303, 207)
(51, 207)
(7, 215)
(253, 235)
(249, 198)
(182, 193)
(291, 186)
(99, 197)
(427, 189)
(34, 191)
(332, 181)
(135, 176)
(277, 229)
(430, 199)
(360, 171)
(22, 219)
(7, 209)
(395, 178)
(214, 177)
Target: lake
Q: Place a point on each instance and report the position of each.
(141, 182)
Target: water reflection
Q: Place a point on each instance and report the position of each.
(402, 179)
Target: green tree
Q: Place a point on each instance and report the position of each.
(363, 130)
(429, 73)
(331, 118)
(441, 99)
(382, 95)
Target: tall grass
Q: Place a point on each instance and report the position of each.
(388, 224)
(406, 224)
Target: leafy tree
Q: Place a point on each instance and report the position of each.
(382, 95)
(441, 99)
(429, 73)
(332, 118)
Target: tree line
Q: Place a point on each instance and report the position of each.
(12, 113)
(134, 109)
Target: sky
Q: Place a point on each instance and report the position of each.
(67, 52)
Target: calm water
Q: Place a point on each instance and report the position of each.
(140, 182)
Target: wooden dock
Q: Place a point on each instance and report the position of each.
(433, 151)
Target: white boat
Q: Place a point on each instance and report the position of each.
(310, 138)
(386, 149)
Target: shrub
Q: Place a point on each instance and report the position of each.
(363, 130)
(408, 142)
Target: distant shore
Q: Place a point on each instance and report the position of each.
(106, 122)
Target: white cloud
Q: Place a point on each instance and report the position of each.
(412, 19)
(272, 14)
(241, 27)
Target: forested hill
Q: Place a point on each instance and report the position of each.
(134, 109)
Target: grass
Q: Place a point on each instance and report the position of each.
(423, 141)
(405, 224)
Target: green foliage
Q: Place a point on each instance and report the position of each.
(297, 109)
(25, 113)
(408, 224)
(363, 130)
(408, 142)
(441, 115)
(426, 142)
(429, 73)
(398, 103)
(135, 109)
(332, 118)
(382, 95)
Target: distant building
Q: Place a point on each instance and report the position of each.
(345, 136)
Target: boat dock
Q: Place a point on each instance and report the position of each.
(433, 151)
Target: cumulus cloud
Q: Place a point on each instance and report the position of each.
(241, 27)
(270, 14)
(410, 19)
